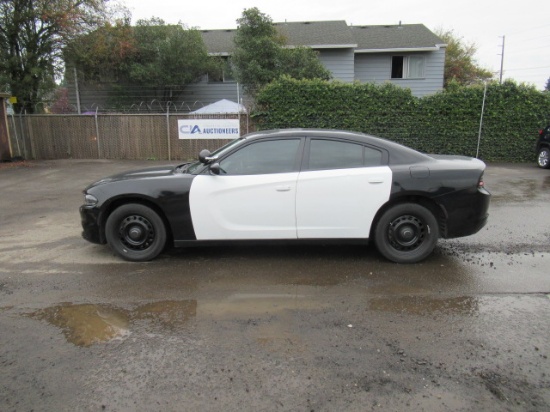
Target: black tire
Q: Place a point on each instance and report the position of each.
(406, 233)
(543, 157)
(135, 232)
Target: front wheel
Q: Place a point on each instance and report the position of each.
(543, 158)
(135, 232)
(406, 233)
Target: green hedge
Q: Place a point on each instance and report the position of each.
(445, 123)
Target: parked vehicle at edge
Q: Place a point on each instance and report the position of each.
(301, 185)
(542, 148)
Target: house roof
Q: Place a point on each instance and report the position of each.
(219, 42)
(317, 34)
(336, 34)
(402, 37)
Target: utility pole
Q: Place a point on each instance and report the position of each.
(502, 59)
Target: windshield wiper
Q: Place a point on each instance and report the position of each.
(183, 167)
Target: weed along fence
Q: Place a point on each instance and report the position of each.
(122, 136)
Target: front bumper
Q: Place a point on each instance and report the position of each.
(89, 218)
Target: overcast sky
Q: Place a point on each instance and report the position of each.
(525, 24)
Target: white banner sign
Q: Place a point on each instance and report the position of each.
(208, 128)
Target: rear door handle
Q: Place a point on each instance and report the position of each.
(376, 181)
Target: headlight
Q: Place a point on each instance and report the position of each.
(90, 200)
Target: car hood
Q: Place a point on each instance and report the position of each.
(148, 173)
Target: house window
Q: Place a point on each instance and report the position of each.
(222, 74)
(407, 67)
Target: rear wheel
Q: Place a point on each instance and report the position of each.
(135, 232)
(406, 233)
(543, 158)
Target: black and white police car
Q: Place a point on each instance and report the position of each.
(301, 185)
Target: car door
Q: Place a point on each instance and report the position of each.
(253, 197)
(340, 189)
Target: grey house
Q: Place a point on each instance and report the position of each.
(408, 55)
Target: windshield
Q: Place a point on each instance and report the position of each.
(225, 148)
(197, 166)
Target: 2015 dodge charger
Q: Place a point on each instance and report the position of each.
(292, 185)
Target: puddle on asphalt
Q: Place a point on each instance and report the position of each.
(87, 324)
(84, 325)
(247, 304)
(425, 305)
(169, 314)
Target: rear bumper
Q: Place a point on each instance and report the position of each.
(466, 213)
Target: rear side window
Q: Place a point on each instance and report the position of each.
(333, 154)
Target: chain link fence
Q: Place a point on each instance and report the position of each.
(110, 136)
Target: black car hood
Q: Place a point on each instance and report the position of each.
(148, 173)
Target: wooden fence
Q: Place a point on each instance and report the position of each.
(109, 136)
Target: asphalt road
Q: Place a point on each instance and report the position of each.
(270, 328)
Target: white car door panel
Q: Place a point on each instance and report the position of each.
(244, 207)
(340, 203)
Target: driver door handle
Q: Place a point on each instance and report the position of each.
(282, 188)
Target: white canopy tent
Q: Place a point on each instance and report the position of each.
(223, 106)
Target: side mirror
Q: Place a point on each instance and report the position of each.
(204, 155)
(215, 168)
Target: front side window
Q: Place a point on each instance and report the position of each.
(332, 154)
(271, 156)
(407, 67)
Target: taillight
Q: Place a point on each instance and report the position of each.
(480, 183)
(541, 131)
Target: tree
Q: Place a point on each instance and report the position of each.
(460, 64)
(32, 35)
(157, 60)
(260, 56)
(547, 87)
(302, 63)
(168, 56)
(103, 52)
(257, 50)
(60, 103)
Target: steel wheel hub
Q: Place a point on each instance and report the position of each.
(406, 232)
(136, 232)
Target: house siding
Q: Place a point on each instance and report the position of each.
(339, 62)
(376, 68)
(203, 93)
